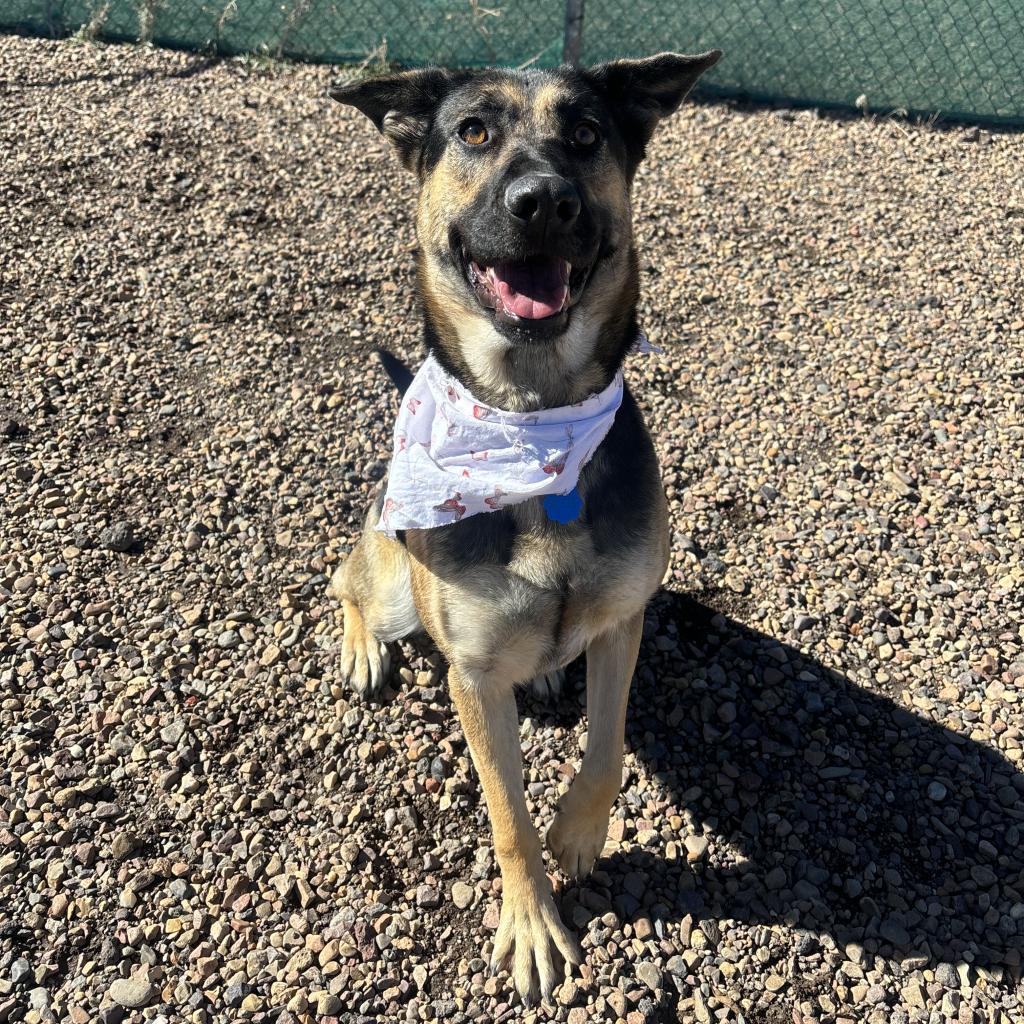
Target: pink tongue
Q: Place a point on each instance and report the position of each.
(532, 290)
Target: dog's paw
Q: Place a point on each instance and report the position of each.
(364, 659)
(549, 685)
(577, 839)
(531, 941)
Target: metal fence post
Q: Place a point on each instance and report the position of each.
(573, 32)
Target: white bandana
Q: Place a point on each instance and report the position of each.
(454, 456)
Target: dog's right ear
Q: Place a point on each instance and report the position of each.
(401, 105)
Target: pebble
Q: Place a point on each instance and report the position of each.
(326, 1003)
(696, 848)
(428, 897)
(649, 974)
(118, 536)
(122, 845)
(462, 895)
(132, 993)
(173, 731)
(235, 993)
(229, 638)
(895, 933)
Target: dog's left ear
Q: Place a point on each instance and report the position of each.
(642, 92)
(401, 105)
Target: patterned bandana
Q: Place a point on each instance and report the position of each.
(456, 457)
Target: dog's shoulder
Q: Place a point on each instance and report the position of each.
(621, 487)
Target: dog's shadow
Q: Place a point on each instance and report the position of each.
(827, 807)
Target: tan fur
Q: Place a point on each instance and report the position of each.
(544, 108)
(373, 586)
(530, 933)
(493, 625)
(453, 184)
(509, 94)
(578, 833)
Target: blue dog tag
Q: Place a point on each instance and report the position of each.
(563, 508)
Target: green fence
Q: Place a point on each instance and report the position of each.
(962, 59)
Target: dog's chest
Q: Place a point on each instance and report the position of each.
(595, 590)
(543, 607)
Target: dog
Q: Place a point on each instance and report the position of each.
(528, 279)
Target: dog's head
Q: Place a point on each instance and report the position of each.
(526, 262)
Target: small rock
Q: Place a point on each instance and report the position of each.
(66, 798)
(107, 810)
(39, 999)
(701, 1010)
(428, 897)
(649, 974)
(913, 995)
(326, 1003)
(234, 994)
(132, 993)
(123, 845)
(736, 581)
(983, 875)
(696, 848)
(118, 536)
(173, 732)
(462, 895)
(877, 994)
(900, 483)
(567, 993)
(21, 971)
(892, 931)
(251, 1003)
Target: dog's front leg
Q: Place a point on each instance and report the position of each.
(530, 933)
(578, 833)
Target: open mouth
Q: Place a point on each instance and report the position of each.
(536, 290)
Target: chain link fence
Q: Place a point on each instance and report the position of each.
(961, 59)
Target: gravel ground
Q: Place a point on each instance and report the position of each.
(823, 807)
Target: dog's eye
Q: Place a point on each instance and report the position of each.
(585, 134)
(473, 133)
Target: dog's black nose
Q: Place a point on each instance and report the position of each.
(544, 201)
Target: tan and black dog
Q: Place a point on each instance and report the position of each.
(525, 183)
